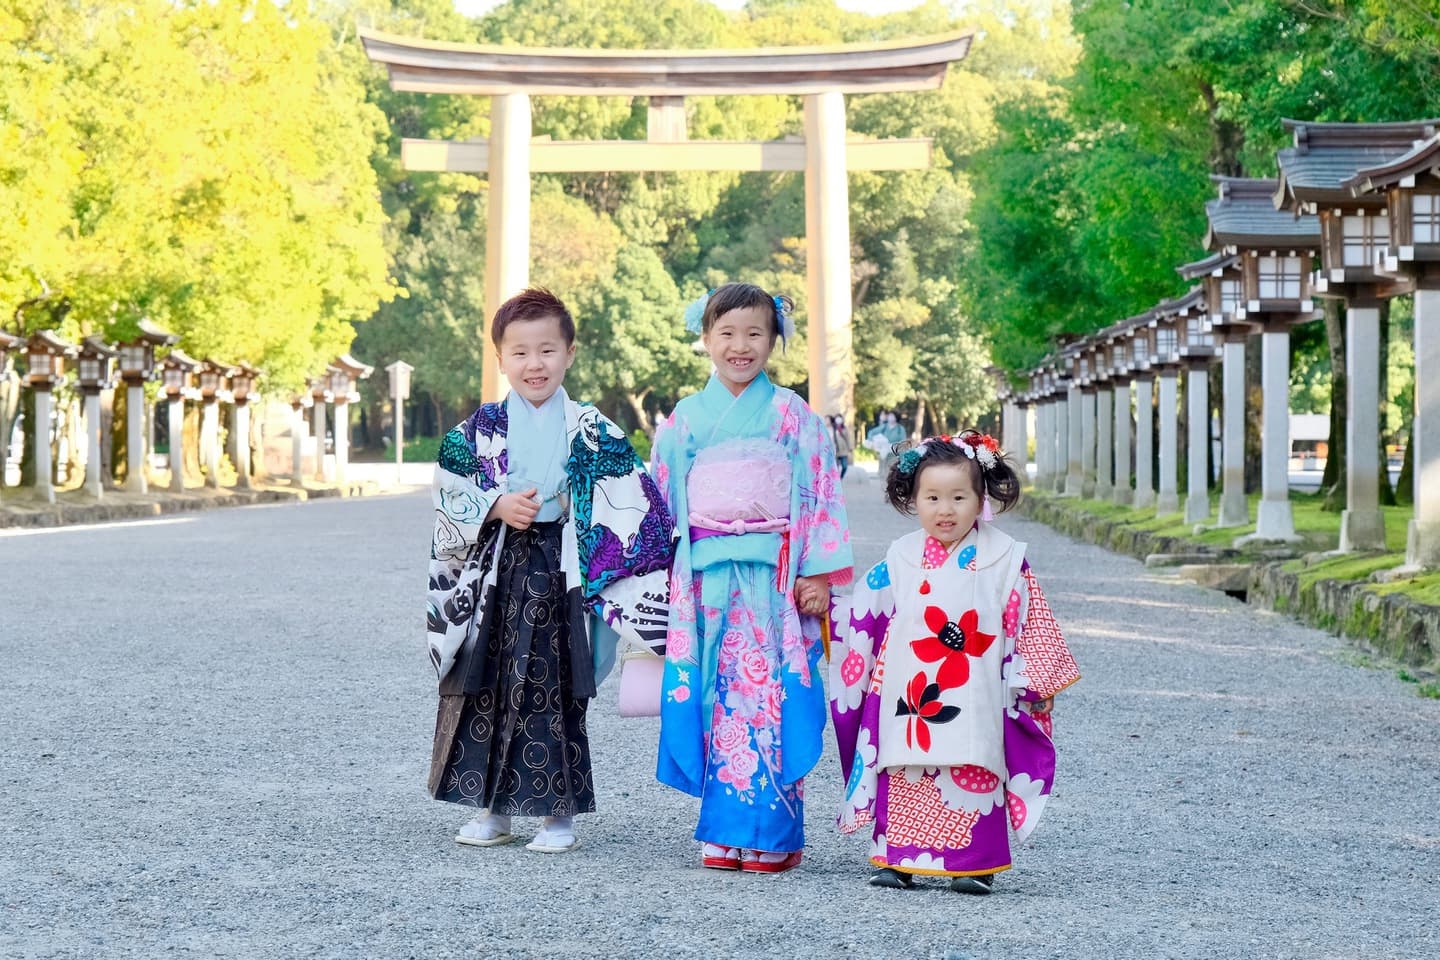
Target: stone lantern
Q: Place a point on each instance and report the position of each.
(399, 373)
(298, 404)
(343, 374)
(1411, 189)
(1139, 338)
(1117, 347)
(1223, 280)
(45, 355)
(177, 380)
(1058, 382)
(1100, 418)
(1276, 251)
(1353, 227)
(214, 383)
(242, 388)
(320, 395)
(1196, 347)
(1076, 370)
(96, 373)
(1166, 362)
(137, 365)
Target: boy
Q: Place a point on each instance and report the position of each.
(550, 540)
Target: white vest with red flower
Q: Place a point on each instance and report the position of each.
(942, 695)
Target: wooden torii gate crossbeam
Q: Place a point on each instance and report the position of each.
(823, 75)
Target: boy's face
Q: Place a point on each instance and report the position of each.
(534, 357)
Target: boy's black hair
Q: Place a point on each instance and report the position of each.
(738, 296)
(533, 303)
(999, 482)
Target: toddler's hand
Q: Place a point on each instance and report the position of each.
(517, 509)
(812, 594)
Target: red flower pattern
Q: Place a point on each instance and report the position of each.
(952, 645)
(922, 707)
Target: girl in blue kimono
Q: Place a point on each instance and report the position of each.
(749, 473)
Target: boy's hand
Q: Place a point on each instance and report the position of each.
(1043, 706)
(517, 509)
(812, 594)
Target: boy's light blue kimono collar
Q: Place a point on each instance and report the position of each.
(538, 441)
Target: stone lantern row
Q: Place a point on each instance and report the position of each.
(100, 366)
(337, 387)
(1354, 215)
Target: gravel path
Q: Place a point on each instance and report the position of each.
(213, 742)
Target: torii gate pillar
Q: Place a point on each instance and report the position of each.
(507, 237)
(827, 259)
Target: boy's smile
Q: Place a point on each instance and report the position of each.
(534, 357)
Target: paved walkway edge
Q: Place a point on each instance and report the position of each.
(1392, 625)
(158, 503)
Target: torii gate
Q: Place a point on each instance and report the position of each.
(822, 75)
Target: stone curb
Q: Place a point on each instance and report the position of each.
(160, 503)
(1392, 625)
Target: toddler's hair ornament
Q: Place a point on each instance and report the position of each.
(909, 460)
(695, 314)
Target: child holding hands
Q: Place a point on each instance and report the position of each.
(749, 473)
(943, 671)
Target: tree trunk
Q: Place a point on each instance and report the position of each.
(27, 452)
(1405, 485)
(9, 410)
(919, 421)
(1254, 399)
(636, 402)
(1332, 482)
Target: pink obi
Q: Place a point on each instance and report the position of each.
(737, 487)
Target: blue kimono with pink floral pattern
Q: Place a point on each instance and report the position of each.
(743, 708)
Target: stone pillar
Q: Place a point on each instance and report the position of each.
(507, 235)
(1104, 444)
(44, 465)
(135, 439)
(1274, 520)
(1041, 411)
(1362, 525)
(1121, 402)
(1021, 450)
(342, 438)
(175, 407)
(1197, 467)
(317, 426)
(240, 431)
(297, 446)
(827, 261)
(1234, 508)
(1087, 442)
(1144, 442)
(210, 441)
(1422, 542)
(93, 484)
(1074, 444)
(1169, 499)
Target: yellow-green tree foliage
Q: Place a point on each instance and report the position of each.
(206, 164)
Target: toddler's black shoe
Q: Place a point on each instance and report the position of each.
(980, 885)
(892, 879)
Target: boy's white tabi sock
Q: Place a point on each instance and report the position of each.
(487, 826)
(559, 831)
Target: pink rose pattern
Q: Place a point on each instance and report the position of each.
(744, 747)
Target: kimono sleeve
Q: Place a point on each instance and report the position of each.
(1045, 665)
(821, 530)
(463, 492)
(858, 625)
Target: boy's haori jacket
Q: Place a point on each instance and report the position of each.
(617, 544)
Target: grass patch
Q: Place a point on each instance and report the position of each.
(1430, 691)
(1424, 588)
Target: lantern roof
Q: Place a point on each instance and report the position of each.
(1326, 155)
(97, 347)
(154, 335)
(353, 367)
(1420, 159)
(1209, 266)
(1184, 303)
(224, 369)
(244, 370)
(179, 358)
(46, 341)
(1244, 216)
(9, 341)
